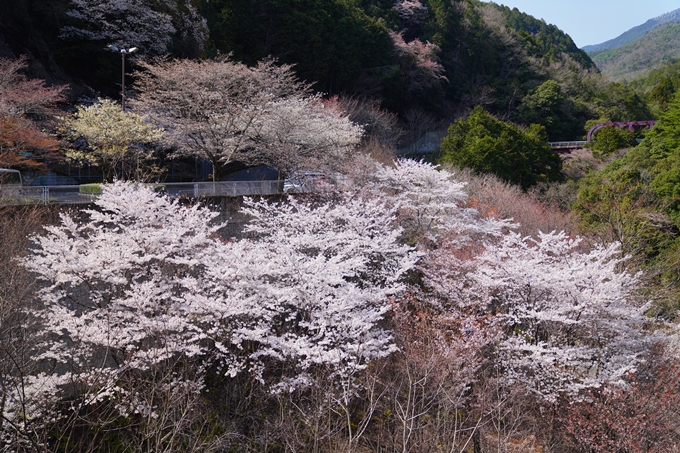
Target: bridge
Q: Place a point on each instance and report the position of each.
(629, 124)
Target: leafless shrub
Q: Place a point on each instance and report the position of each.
(380, 126)
(513, 422)
(493, 197)
(419, 125)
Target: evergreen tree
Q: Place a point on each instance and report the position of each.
(548, 106)
(488, 145)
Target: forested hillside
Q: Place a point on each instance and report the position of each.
(658, 87)
(638, 57)
(432, 57)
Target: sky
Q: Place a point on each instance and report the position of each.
(593, 21)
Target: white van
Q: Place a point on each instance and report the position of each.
(306, 181)
(303, 181)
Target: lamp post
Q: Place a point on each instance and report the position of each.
(122, 52)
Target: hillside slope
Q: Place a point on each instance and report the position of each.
(433, 59)
(638, 57)
(441, 57)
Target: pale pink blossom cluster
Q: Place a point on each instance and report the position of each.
(142, 282)
(150, 26)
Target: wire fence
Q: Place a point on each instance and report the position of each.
(21, 195)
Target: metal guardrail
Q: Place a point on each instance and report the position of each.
(72, 194)
(568, 145)
(220, 188)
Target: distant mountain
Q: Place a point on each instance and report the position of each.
(659, 46)
(635, 32)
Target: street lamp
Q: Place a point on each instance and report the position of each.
(122, 52)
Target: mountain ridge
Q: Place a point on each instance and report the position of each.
(634, 33)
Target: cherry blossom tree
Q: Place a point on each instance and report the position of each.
(23, 102)
(144, 287)
(568, 314)
(305, 133)
(317, 282)
(116, 282)
(430, 202)
(546, 314)
(387, 313)
(316, 279)
(418, 61)
(112, 336)
(20, 96)
(125, 23)
(224, 111)
(441, 333)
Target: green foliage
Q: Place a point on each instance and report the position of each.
(619, 102)
(664, 138)
(636, 200)
(663, 92)
(330, 42)
(659, 86)
(618, 204)
(548, 106)
(344, 45)
(491, 55)
(544, 40)
(488, 145)
(663, 146)
(610, 139)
